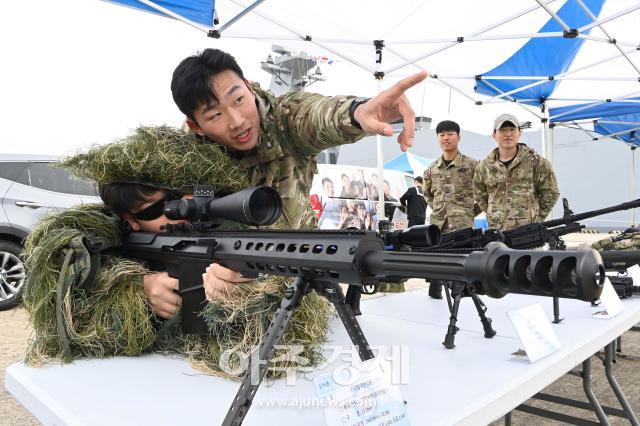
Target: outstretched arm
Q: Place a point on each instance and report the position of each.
(390, 105)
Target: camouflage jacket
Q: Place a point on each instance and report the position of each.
(522, 193)
(449, 192)
(294, 129)
(620, 242)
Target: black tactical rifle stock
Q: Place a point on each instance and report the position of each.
(320, 260)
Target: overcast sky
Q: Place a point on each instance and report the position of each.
(77, 72)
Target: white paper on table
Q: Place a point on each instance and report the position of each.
(361, 395)
(610, 300)
(535, 331)
(634, 272)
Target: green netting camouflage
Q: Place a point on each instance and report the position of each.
(80, 311)
(159, 156)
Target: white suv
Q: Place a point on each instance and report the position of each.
(30, 187)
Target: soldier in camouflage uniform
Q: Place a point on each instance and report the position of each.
(277, 139)
(514, 185)
(448, 187)
(448, 182)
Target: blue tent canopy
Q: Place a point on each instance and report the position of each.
(408, 163)
(199, 11)
(541, 57)
(620, 127)
(593, 110)
(618, 119)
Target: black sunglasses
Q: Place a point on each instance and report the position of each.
(156, 209)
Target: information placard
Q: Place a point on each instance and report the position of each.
(361, 396)
(610, 300)
(535, 331)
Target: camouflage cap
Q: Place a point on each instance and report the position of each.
(163, 157)
(505, 118)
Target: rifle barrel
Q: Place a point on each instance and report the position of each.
(500, 270)
(620, 259)
(587, 215)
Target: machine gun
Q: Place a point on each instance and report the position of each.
(528, 236)
(320, 260)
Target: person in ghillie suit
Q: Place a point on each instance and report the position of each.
(85, 301)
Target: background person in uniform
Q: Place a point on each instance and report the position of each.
(514, 185)
(448, 187)
(415, 204)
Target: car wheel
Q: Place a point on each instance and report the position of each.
(12, 273)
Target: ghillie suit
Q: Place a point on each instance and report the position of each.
(85, 301)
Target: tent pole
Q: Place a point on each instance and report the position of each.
(552, 135)
(379, 75)
(380, 156)
(633, 183)
(543, 130)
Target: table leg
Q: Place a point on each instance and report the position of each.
(588, 391)
(507, 419)
(608, 368)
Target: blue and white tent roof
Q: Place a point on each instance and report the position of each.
(562, 51)
(409, 163)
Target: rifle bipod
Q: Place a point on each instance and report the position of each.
(291, 301)
(456, 290)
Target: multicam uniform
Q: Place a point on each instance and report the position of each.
(620, 242)
(449, 192)
(522, 193)
(294, 128)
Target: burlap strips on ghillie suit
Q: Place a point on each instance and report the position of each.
(82, 311)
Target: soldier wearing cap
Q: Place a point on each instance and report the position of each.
(514, 185)
(448, 187)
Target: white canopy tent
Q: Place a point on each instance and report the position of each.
(456, 44)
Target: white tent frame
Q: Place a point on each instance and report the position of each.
(624, 49)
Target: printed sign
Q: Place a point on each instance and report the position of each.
(634, 273)
(610, 300)
(361, 396)
(535, 332)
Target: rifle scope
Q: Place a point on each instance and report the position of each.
(252, 206)
(416, 236)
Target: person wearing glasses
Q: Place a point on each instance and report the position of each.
(86, 299)
(514, 185)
